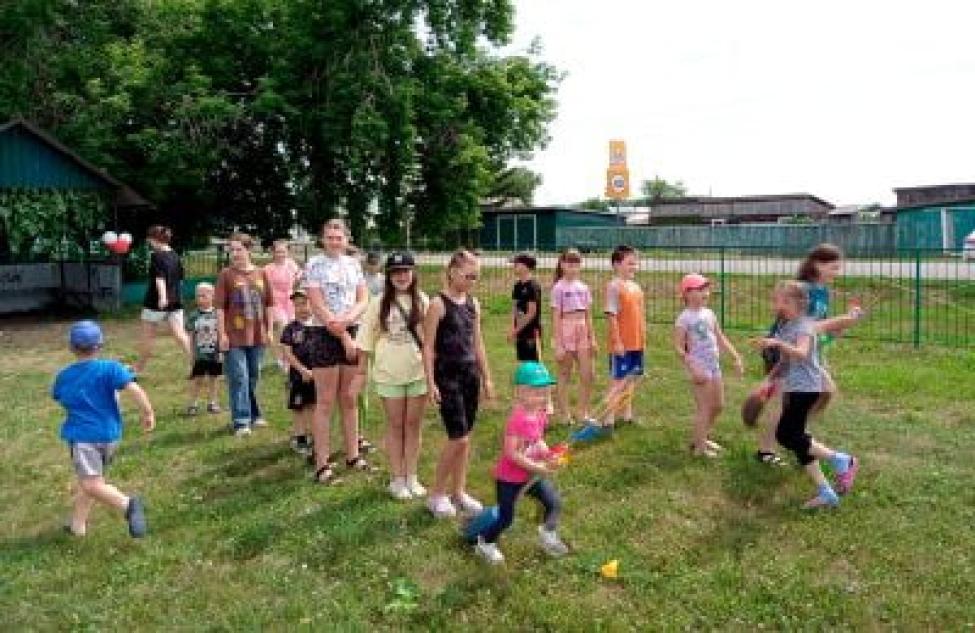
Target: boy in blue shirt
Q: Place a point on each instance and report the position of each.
(87, 389)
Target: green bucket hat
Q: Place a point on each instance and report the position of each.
(533, 374)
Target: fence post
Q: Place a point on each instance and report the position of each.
(917, 299)
(721, 283)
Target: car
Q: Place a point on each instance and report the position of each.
(968, 250)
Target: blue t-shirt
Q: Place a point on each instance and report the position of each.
(88, 392)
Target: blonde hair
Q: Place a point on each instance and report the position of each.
(205, 285)
(460, 258)
(795, 291)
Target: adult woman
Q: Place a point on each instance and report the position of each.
(243, 301)
(163, 301)
(338, 295)
(282, 273)
(390, 332)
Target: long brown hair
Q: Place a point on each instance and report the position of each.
(568, 255)
(823, 254)
(415, 313)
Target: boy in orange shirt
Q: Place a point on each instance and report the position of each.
(627, 338)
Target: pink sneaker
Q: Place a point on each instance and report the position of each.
(844, 482)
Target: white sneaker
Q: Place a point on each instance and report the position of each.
(551, 542)
(259, 423)
(397, 488)
(242, 431)
(488, 551)
(415, 487)
(441, 507)
(468, 504)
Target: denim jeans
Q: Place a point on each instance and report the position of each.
(242, 366)
(542, 490)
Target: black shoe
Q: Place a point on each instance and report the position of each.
(135, 514)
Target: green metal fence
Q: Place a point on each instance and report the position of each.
(916, 297)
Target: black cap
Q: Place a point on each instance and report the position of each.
(526, 259)
(400, 259)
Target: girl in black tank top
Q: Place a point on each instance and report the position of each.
(454, 344)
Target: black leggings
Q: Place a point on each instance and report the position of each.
(791, 432)
(543, 490)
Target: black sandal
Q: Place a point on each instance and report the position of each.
(365, 446)
(325, 475)
(359, 463)
(769, 458)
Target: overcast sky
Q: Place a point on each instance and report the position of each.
(842, 99)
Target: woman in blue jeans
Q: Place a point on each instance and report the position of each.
(243, 300)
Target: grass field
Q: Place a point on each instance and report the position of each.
(241, 539)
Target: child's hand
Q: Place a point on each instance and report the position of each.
(559, 353)
(224, 343)
(433, 393)
(618, 349)
(764, 343)
(306, 374)
(148, 420)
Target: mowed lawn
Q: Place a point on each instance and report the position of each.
(240, 539)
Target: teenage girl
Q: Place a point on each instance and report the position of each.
(390, 333)
(573, 336)
(282, 273)
(699, 338)
(163, 301)
(803, 383)
(818, 270)
(456, 370)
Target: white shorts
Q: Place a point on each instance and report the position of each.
(162, 316)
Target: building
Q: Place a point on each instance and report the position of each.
(34, 166)
(739, 210)
(937, 217)
(537, 228)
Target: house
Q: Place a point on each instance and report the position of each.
(537, 228)
(738, 210)
(936, 217)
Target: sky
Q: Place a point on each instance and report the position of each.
(842, 99)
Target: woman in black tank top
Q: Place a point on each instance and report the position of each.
(455, 365)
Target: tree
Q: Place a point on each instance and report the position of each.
(595, 204)
(658, 188)
(515, 184)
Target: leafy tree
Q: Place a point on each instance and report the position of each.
(658, 188)
(595, 204)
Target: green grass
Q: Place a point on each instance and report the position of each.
(240, 538)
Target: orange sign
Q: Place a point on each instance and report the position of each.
(618, 175)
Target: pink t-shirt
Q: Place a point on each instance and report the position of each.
(571, 296)
(530, 427)
(282, 278)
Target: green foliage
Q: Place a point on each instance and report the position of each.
(595, 204)
(251, 113)
(515, 184)
(658, 188)
(50, 222)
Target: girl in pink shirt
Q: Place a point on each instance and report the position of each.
(525, 461)
(574, 338)
(282, 273)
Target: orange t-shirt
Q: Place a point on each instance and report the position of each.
(624, 300)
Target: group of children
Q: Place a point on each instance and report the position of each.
(431, 349)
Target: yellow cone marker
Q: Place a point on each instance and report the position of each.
(611, 569)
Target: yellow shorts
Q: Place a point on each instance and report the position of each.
(409, 390)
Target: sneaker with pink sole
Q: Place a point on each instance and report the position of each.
(844, 482)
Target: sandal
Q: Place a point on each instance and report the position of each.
(365, 446)
(769, 458)
(325, 475)
(360, 464)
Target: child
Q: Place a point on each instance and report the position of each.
(525, 460)
(87, 389)
(282, 274)
(526, 325)
(389, 333)
(573, 336)
(297, 348)
(803, 383)
(202, 328)
(698, 337)
(372, 271)
(627, 337)
(818, 270)
(455, 364)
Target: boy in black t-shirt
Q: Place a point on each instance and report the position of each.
(526, 325)
(298, 352)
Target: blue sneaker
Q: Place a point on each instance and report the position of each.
(826, 498)
(590, 432)
(135, 514)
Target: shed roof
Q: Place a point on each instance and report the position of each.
(545, 209)
(742, 199)
(125, 196)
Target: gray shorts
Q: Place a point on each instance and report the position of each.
(91, 459)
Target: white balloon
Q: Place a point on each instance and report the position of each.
(109, 237)
(125, 237)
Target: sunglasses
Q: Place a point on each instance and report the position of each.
(470, 276)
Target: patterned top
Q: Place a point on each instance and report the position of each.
(571, 296)
(202, 328)
(245, 297)
(338, 278)
(702, 341)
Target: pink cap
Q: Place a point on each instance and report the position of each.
(693, 281)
